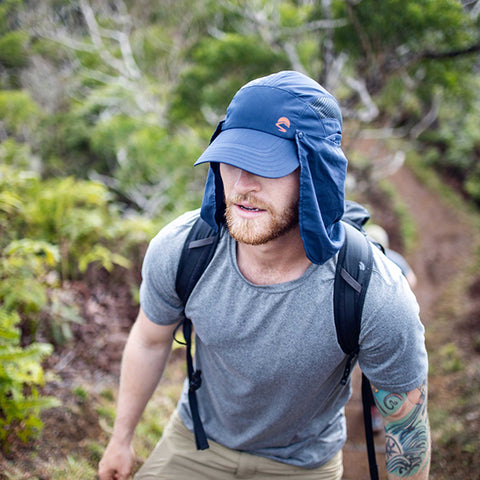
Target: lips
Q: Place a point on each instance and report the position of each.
(247, 207)
(247, 211)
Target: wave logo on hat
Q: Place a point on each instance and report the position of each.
(283, 122)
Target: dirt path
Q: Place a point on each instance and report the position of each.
(444, 240)
(441, 251)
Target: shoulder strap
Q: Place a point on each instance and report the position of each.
(197, 252)
(368, 402)
(352, 276)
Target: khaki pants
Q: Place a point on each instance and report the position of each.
(176, 458)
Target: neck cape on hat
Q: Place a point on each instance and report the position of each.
(274, 125)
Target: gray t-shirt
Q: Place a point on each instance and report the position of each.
(271, 365)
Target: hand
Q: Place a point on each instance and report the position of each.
(117, 461)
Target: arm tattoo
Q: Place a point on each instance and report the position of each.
(406, 430)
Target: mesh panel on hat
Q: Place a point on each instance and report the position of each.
(327, 107)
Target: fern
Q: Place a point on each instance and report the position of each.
(21, 376)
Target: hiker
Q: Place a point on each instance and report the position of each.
(271, 399)
(380, 235)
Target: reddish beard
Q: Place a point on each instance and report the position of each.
(258, 231)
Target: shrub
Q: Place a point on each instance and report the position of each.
(21, 375)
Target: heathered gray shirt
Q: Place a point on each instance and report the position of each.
(270, 361)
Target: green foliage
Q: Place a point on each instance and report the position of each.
(8, 13)
(24, 265)
(14, 186)
(75, 215)
(400, 48)
(221, 67)
(384, 26)
(453, 149)
(110, 134)
(66, 135)
(450, 359)
(147, 157)
(29, 286)
(13, 44)
(58, 315)
(18, 112)
(21, 376)
(15, 154)
(52, 230)
(13, 49)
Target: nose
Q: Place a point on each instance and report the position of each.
(246, 182)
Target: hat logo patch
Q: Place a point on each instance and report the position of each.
(282, 124)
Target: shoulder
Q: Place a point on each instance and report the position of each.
(385, 271)
(164, 250)
(177, 230)
(392, 339)
(398, 260)
(389, 294)
(158, 296)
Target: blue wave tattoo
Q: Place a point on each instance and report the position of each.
(407, 438)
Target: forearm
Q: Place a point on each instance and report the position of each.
(142, 367)
(408, 453)
(407, 435)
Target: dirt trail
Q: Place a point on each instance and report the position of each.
(441, 251)
(444, 240)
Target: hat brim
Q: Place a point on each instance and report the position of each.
(256, 152)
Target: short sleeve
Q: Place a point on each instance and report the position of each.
(392, 340)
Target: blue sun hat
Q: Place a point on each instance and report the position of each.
(273, 126)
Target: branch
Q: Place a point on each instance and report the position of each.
(327, 47)
(149, 199)
(332, 79)
(371, 110)
(314, 26)
(364, 41)
(332, 64)
(451, 54)
(398, 63)
(475, 11)
(293, 57)
(428, 119)
(96, 36)
(266, 23)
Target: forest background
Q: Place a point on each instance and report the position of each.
(105, 105)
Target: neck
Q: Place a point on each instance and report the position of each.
(277, 261)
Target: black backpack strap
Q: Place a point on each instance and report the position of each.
(352, 276)
(197, 252)
(368, 402)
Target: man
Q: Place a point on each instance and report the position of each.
(379, 234)
(271, 401)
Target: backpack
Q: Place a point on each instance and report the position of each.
(352, 275)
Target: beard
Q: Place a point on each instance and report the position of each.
(258, 231)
